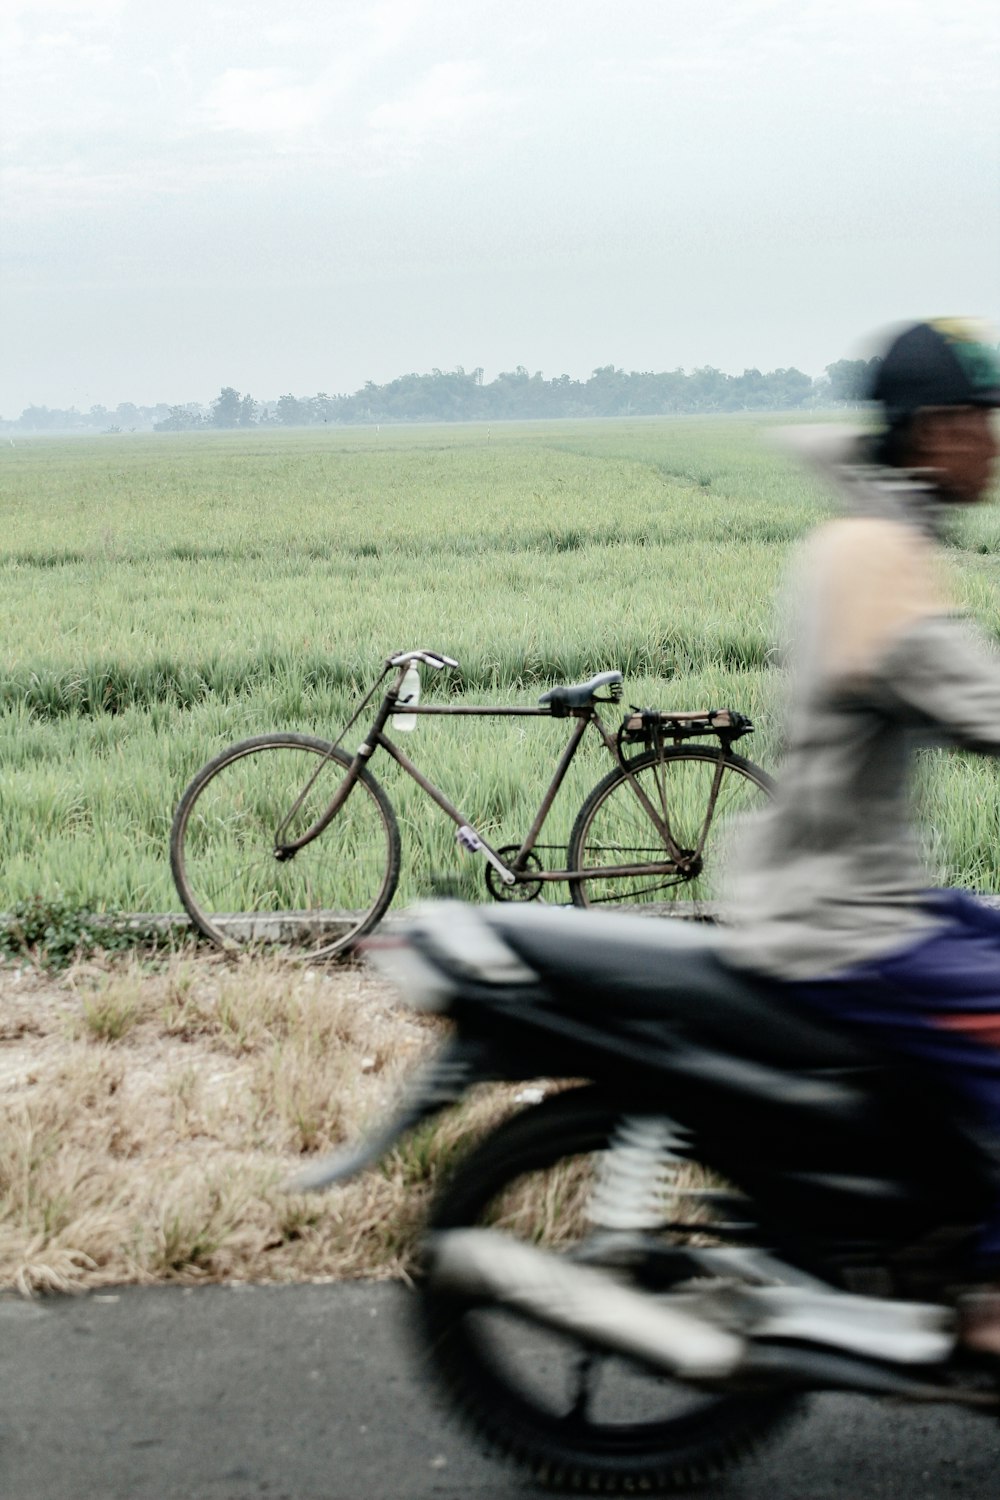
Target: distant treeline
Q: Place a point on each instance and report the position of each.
(463, 396)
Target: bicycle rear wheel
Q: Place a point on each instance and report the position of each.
(613, 828)
(222, 848)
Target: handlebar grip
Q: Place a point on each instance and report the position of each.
(435, 659)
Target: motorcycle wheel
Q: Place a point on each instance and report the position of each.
(577, 1418)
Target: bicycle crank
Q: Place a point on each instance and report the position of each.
(467, 838)
(521, 890)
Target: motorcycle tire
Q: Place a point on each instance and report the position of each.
(502, 1372)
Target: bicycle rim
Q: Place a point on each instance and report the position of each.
(614, 828)
(235, 889)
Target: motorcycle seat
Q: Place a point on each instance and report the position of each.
(643, 968)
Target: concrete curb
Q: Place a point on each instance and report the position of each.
(276, 927)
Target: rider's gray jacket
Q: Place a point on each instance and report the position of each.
(830, 875)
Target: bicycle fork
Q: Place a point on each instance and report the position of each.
(285, 851)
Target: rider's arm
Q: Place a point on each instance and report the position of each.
(941, 675)
(888, 634)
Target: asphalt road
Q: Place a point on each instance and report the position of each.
(316, 1393)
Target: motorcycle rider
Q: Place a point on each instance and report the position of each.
(829, 895)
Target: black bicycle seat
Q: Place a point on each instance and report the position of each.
(581, 694)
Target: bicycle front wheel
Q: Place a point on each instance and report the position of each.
(267, 791)
(697, 799)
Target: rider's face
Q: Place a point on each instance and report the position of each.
(960, 444)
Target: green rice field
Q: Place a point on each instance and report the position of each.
(165, 595)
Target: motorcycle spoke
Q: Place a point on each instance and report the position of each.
(583, 1381)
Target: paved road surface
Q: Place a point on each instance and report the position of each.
(315, 1393)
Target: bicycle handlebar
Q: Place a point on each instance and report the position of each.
(435, 659)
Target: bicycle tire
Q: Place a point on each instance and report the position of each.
(222, 843)
(517, 1385)
(612, 830)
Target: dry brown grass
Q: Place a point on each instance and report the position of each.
(148, 1115)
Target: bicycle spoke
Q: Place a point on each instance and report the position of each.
(223, 840)
(614, 899)
(701, 797)
(584, 1379)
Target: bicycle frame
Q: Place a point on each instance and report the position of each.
(516, 871)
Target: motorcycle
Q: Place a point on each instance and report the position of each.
(720, 1205)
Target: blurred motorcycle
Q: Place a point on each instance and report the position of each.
(631, 1283)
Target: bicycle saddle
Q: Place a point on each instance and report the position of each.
(581, 694)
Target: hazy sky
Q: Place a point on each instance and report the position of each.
(305, 195)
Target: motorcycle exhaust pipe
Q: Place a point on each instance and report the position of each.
(595, 1305)
(583, 1300)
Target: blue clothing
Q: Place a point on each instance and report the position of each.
(937, 1000)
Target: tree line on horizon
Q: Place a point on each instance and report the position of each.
(463, 396)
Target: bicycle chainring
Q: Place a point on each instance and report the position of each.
(523, 890)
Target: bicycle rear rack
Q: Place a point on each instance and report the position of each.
(657, 725)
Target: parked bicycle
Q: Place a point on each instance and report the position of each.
(289, 838)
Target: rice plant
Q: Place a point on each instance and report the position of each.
(164, 595)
